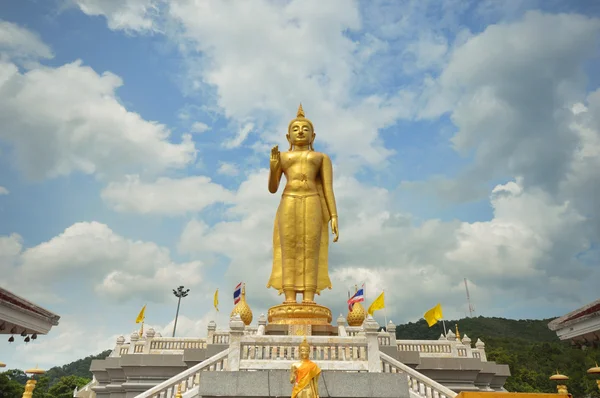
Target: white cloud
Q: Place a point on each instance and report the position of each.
(241, 136)
(510, 90)
(3, 191)
(20, 44)
(134, 15)
(77, 124)
(66, 343)
(165, 195)
(91, 255)
(199, 127)
(228, 169)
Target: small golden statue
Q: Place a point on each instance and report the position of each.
(305, 375)
(300, 234)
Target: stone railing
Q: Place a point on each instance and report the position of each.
(157, 345)
(419, 384)
(188, 379)
(444, 348)
(279, 352)
(220, 337)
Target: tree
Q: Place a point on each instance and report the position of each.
(66, 385)
(10, 388)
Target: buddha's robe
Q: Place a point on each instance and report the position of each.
(307, 378)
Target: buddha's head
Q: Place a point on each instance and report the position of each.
(304, 349)
(301, 131)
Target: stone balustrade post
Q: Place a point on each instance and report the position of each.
(236, 332)
(391, 329)
(341, 324)
(262, 324)
(135, 336)
(480, 345)
(467, 343)
(212, 327)
(150, 333)
(371, 328)
(120, 343)
(451, 337)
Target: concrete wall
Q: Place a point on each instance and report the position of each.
(276, 383)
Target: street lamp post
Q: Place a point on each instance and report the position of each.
(179, 293)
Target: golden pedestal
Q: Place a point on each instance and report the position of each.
(299, 314)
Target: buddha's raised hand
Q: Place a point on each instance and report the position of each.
(275, 157)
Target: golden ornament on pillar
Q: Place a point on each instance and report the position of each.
(357, 316)
(559, 378)
(30, 385)
(595, 371)
(243, 309)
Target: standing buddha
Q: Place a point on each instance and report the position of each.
(307, 206)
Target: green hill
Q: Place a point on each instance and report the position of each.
(532, 351)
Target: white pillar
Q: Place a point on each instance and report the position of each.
(236, 331)
(371, 328)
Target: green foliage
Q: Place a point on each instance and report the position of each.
(57, 382)
(531, 350)
(10, 388)
(65, 386)
(79, 368)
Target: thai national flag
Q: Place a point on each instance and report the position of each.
(357, 298)
(237, 293)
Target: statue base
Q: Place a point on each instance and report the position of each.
(299, 314)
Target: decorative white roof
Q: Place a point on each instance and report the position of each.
(19, 315)
(581, 325)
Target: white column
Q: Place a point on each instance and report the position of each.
(371, 328)
(236, 331)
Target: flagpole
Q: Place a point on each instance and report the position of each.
(384, 311)
(444, 324)
(142, 328)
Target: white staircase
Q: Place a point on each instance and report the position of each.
(420, 386)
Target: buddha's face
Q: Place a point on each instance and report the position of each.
(304, 352)
(301, 133)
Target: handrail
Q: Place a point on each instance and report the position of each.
(186, 375)
(417, 381)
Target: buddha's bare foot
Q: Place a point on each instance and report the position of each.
(308, 298)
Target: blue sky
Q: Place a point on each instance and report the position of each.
(465, 139)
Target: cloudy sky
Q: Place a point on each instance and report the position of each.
(135, 135)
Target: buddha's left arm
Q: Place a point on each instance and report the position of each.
(316, 381)
(327, 178)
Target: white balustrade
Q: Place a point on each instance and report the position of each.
(187, 379)
(279, 352)
(419, 384)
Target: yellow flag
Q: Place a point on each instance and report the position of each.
(434, 315)
(216, 300)
(141, 315)
(377, 305)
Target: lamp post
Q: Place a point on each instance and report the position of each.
(30, 385)
(179, 293)
(595, 372)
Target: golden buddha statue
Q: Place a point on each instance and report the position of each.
(300, 234)
(305, 375)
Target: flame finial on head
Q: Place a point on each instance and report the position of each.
(300, 113)
(304, 344)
